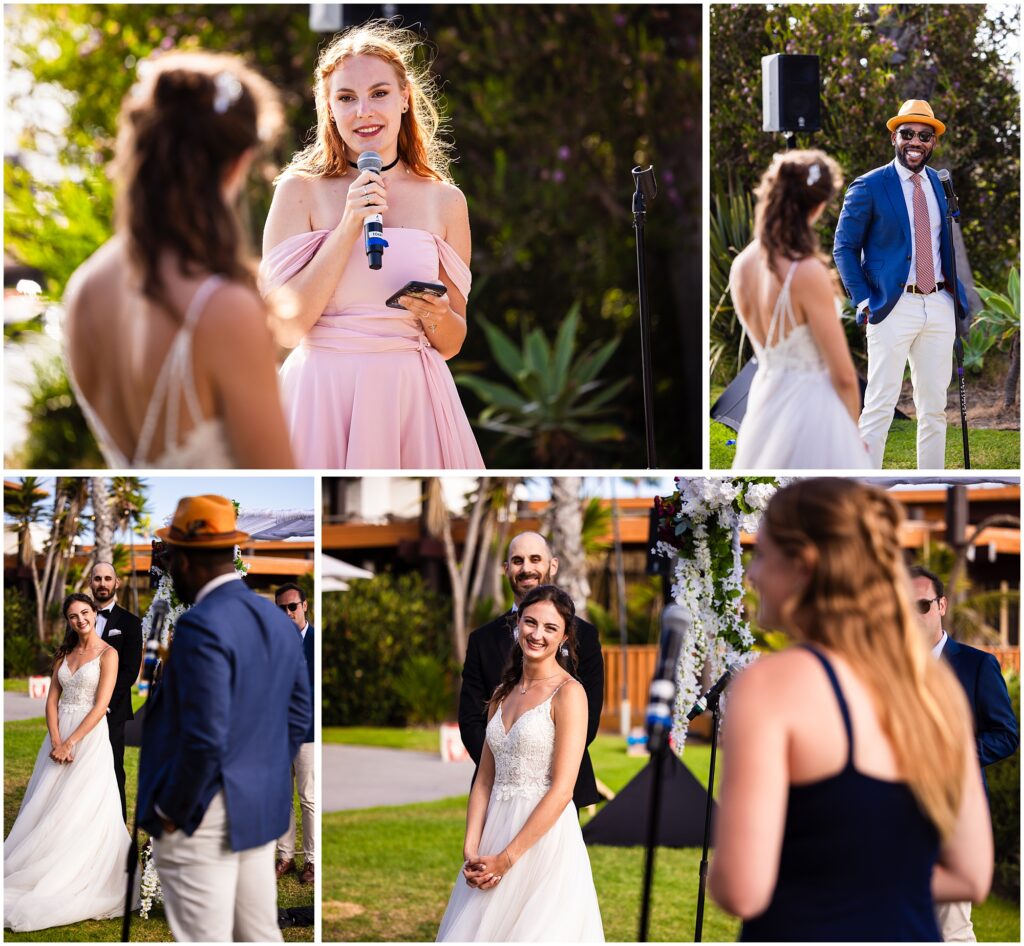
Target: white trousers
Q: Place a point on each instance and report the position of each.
(213, 894)
(919, 329)
(302, 770)
(955, 922)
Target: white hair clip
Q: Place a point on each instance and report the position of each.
(229, 90)
(813, 174)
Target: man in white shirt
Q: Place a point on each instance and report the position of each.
(894, 254)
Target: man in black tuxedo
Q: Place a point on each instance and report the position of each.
(122, 630)
(995, 726)
(529, 564)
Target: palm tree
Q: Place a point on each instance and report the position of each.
(23, 504)
(103, 520)
(129, 500)
(70, 496)
(564, 521)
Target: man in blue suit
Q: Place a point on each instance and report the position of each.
(221, 730)
(291, 599)
(894, 254)
(995, 726)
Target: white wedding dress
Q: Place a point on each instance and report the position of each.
(795, 419)
(548, 894)
(65, 858)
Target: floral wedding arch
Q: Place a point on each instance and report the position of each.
(699, 528)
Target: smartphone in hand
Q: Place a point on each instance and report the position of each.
(416, 287)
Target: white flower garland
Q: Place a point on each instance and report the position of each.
(699, 527)
(150, 891)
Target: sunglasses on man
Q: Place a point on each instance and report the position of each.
(294, 606)
(924, 605)
(923, 136)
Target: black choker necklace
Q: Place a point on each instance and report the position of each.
(387, 167)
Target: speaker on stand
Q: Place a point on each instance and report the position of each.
(790, 95)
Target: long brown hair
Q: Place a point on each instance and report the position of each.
(70, 634)
(513, 670)
(420, 143)
(191, 115)
(857, 603)
(795, 183)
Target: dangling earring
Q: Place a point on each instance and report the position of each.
(565, 649)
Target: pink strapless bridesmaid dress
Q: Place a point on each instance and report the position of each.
(365, 389)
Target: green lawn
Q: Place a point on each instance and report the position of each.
(990, 449)
(15, 684)
(389, 871)
(21, 746)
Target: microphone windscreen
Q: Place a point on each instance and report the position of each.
(369, 161)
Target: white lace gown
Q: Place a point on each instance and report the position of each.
(65, 858)
(548, 895)
(795, 419)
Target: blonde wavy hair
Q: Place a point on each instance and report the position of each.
(858, 604)
(420, 142)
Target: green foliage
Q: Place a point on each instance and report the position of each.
(731, 228)
(57, 433)
(999, 320)
(424, 688)
(1004, 798)
(643, 606)
(369, 634)
(559, 406)
(873, 57)
(21, 657)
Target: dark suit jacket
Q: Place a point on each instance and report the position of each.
(230, 713)
(486, 652)
(128, 644)
(307, 652)
(995, 726)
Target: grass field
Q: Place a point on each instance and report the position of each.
(21, 746)
(990, 449)
(388, 871)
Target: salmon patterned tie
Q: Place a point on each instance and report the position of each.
(925, 275)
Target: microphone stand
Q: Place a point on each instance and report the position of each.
(653, 814)
(952, 212)
(646, 189)
(716, 715)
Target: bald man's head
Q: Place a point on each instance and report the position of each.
(529, 563)
(103, 582)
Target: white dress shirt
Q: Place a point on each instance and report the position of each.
(937, 649)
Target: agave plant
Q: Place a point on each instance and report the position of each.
(556, 400)
(1001, 321)
(731, 228)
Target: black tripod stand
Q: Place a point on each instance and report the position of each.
(646, 189)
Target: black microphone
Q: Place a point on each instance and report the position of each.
(946, 180)
(160, 610)
(675, 623)
(373, 225)
(712, 694)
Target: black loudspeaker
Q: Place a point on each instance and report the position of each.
(791, 93)
(956, 515)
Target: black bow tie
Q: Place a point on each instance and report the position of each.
(106, 613)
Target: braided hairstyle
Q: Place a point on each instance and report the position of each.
(421, 143)
(795, 183)
(513, 670)
(70, 634)
(183, 125)
(858, 604)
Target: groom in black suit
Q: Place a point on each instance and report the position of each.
(122, 630)
(529, 564)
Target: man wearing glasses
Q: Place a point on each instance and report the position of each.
(894, 254)
(291, 599)
(995, 727)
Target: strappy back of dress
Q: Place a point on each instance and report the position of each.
(205, 444)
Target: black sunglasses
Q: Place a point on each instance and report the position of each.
(924, 605)
(294, 606)
(923, 136)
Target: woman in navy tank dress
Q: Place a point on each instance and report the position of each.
(851, 799)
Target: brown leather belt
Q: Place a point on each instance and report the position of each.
(921, 292)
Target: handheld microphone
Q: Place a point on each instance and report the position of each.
(712, 694)
(675, 623)
(160, 611)
(946, 180)
(373, 225)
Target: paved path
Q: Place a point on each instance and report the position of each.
(19, 706)
(366, 776)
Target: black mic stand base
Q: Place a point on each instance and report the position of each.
(713, 705)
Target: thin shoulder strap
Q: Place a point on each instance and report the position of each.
(783, 307)
(177, 367)
(559, 687)
(840, 699)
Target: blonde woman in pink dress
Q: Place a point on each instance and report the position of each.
(366, 386)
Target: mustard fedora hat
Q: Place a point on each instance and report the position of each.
(203, 522)
(916, 110)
